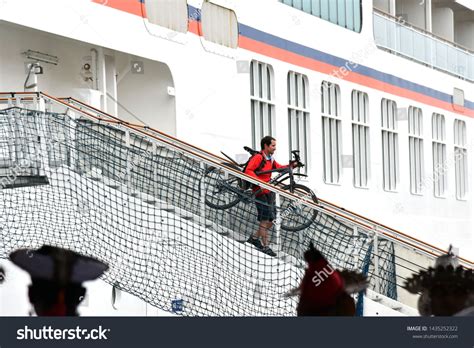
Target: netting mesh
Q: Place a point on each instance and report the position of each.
(138, 204)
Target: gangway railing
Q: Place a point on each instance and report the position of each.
(342, 213)
(335, 215)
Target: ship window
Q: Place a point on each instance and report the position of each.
(440, 175)
(219, 25)
(169, 14)
(261, 101)
(331, 130)
(345, 13)
(298, 115)
(360, 138)
(415, 145)
(390, 145)
(460, 158)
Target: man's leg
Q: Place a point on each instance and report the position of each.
(260, 203)
(263, 231)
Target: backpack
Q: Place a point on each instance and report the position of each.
(244, 184)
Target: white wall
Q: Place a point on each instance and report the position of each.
(383, 5)
(464, 34)
(414, 11)
(146, 95)
(443, 22)
(58, 80)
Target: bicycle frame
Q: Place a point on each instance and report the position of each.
(285, 173)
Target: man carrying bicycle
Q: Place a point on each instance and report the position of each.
(265, 199)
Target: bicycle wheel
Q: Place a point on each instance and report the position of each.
(295, 216)
(221, 190)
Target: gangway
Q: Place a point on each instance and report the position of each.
(138, 204)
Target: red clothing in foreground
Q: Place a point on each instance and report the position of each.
(320, 288)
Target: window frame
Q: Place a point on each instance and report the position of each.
(439, 146)
(390, 146)
(416, 155)
(262, 98)
(299, 114)
(360, 139)
(344, 13)
(461, 167)
(331, 132)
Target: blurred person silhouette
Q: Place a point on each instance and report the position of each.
(446, 289)
(325, 291)
(2, 275)
(57, 275)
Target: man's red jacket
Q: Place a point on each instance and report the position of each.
(254, 163)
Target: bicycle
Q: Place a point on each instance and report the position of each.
(224, 191)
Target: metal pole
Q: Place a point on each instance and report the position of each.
(202, 193)
(72, 161)
(278, 225)
(43, 136)
(356, 250)
(128, 175)
(376, 263)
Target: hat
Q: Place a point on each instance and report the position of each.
(446, 276)
(58, 265)
(2, 275)
(445, 289)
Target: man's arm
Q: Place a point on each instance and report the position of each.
(278, 165)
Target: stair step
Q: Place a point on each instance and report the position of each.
(111, 183)
(184, 214)
(165, 152)
(165, 206)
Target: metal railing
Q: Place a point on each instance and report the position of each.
(421, 46)
(406, 247)
(346, 216)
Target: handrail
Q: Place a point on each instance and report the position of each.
(203, 155)
(193, 147)
(142, 130)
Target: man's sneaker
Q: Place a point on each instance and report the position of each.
(268, 251)
(255, 242)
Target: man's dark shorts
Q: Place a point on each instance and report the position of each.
(266, 207)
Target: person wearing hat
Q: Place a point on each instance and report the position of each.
(325, 291)
(2, 275)
(57, 275)
(446, 289)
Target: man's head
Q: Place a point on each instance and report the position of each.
(268, 145)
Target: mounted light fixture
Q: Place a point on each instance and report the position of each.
(41, 57)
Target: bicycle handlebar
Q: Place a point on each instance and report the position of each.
(295, 154)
